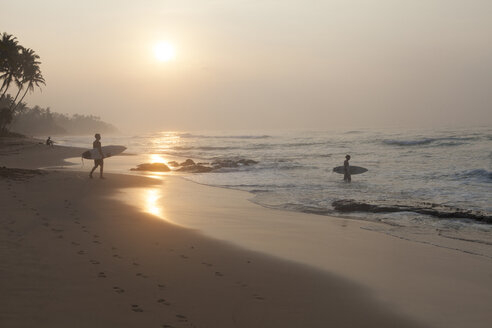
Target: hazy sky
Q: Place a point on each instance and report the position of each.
(263, 64)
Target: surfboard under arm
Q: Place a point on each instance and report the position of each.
(353, 169)
(107, 151)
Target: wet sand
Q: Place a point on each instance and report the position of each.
(73, 256)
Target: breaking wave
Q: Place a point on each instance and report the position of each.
(408, 142)
(446, 141)
(479, 174)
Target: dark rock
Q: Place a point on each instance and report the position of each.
(247, 162)
(173, 163)
(155, 167)
(436, 210)
(188, 162)
(196, 169)
(233, 163)
(225, 163)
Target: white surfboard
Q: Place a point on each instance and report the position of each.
(108, 151)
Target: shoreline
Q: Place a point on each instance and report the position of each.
(280, 286)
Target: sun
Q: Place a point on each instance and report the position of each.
(164, 51)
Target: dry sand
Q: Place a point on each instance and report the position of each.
(71, 256)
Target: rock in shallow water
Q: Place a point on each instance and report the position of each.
(436, 210)
(196, 168)
(155, 167)
(188, 162)
(191, 167)
(233, 163)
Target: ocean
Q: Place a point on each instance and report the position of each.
(429, 186)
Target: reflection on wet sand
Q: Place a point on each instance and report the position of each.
(147, 200)
(151, 204)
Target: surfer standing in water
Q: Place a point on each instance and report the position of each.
(346, 169)
(98, 162)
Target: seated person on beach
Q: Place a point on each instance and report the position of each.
(346, 169)
(98, 162)
(49, 142)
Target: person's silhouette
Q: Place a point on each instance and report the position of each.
(49, 142)
(98, 162)
(346, 169)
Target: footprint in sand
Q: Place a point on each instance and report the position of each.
(184, 257)
(136, 308)
(219, 274)
(81, 252)
(207, 264)
(117, 256)
(74, 243)
(101, 275)
(95, 262)
(139, 274)
(118, 290)
(181, 318)
(135, 264)
(161, 286)
(163, 301)
(258, 297)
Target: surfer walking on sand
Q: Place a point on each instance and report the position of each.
(98, 162)
(346, 169)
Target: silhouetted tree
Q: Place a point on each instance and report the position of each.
(9, 60)
(31, 73)
(6, 115)
(18, 65)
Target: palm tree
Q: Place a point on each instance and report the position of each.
(21, 66)
(5, 112)
(31, 73)
(34, 79)
(10, 69)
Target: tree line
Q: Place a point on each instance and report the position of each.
(37, 121)
(20, 69)
(20, 72)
